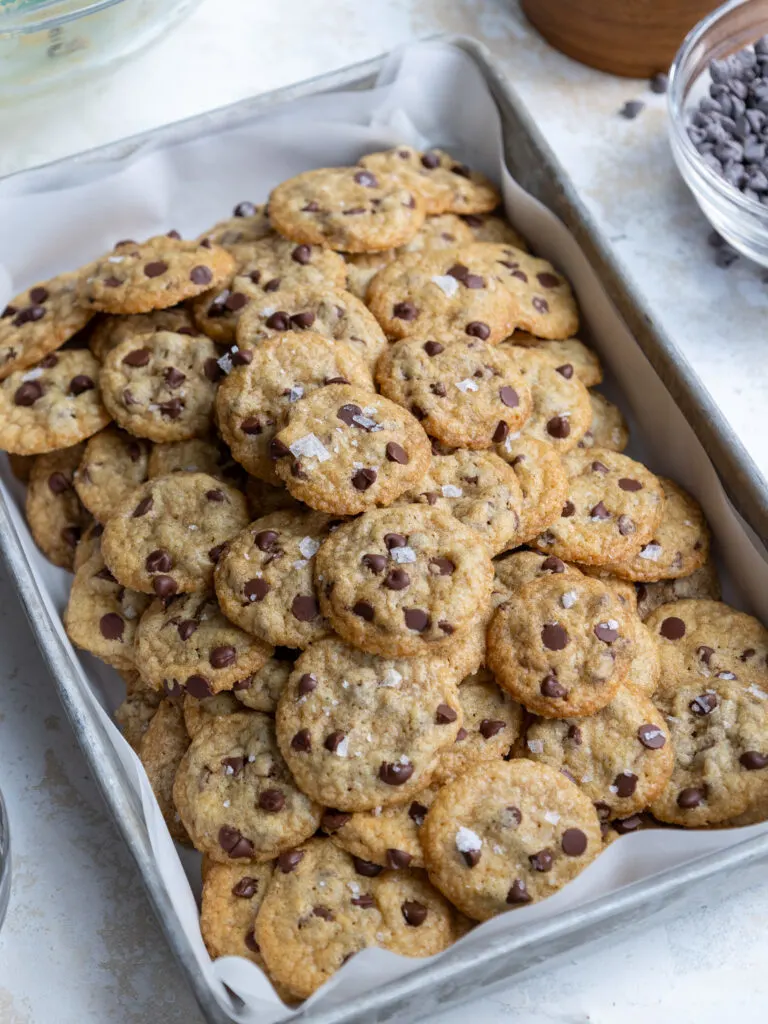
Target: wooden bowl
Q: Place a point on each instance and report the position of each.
(635, 38)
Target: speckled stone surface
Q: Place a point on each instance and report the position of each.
(73, 877)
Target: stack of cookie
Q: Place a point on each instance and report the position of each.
(406, 638)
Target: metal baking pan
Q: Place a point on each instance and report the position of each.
(459, 974)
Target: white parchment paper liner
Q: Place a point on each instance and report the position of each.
(430, 93)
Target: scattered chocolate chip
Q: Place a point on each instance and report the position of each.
(246, 887)
(198, 686)
(628, 484)
(376, 563)
(234, 842)
(58, 483)
(501, 433)
(397, 859)
(366, 868)
(574, 842)
(753, 760)
(222, 657)
(415, 913)
(395, 773)
(397, 579)
(289, 860)
(362, 479)
(599, 511)
(200, 275)
(307, 684)
(302, 741)
(478, 329)
(333, 740)
(625, 783)
(271, 801)
(156, 268)
(541, 861)
(550, 687)
(606, 633)
(518, 894)
(445, 714)
(569, 509)
(433, 348)
(651, 736)
(158, 561)
(559, 427)
(111, 626)
(256, 589)
(333, 819)
(690, 797)
(364, 609)
(364, 900)
(491, 727)
(164, 586)
(405, 311)
(395, 540)
(28, 393)
(566, 370)
(396, 453)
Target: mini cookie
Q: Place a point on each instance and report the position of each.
(162, 386)
(477, 488)
(345, 449)
(107, 332)
(235, 794)
(703, 583)
(443, 293)
(249, 223)
(614, 505)
(490, 227)
(53, 405)
(679, 546)
(264, 579)
(166, 536)
(135, 713)
(231, 899)
(264, 498)
(332, 313)
(39, 321)
(254, 400)
(543, 482)
(403, 581)
(708, 641)
(560, 412)
(101, 615)
(621, 757)
(570, 357)
(645, 668)
(161, 750)
(444, 184)
(720, 735)
(137, 278)
(185, 644)
(346, 208)
(113, 464)
(90, 542)
(507, 834)
(197, 712)
(358, 731)
(261, 691)
(517, 568)
(21, 466)
(55, 515)
(608, 428)
(464, 393)
(274, 264)
(197, 455)
(561, 645)
(321, 909)
(542, 298)
(492, 722)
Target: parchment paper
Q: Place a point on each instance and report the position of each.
(430, 93)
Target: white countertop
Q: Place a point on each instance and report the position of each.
(80, 945)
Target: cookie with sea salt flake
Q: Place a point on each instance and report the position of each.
(186, 644)
(703, 583)
(507, 834)
(160, 751)
(264, 579)
(493, 227)
(561, 645)
(608, 428)
(403, 581)
(52, 405)
(321, 909)
(274, 264)
(479, 489)
(334, 313)
(345, 449)
(346, 208)
(197, 455)
(167, 535)
(198, 711)
(261, 690)
(254, 400)
(235, 794)
(249, 223)
(55, 515)
(445, 185)
(621, 757)
(570, 357)
(443, 293)
(543, 302)
(516, 568)
(231, 900)
(542, 478)
(614, 505)
(39, 321)
(359, 731)
(113, 464)
(106, 332)
(465, 393)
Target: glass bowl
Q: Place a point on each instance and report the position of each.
(743, 222)
(5, 861)
(43, 42)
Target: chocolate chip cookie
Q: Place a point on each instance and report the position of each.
(197, 455)
(113, 464)
(560, 411)
(608, 428)
(198, 711)
(231, 900)
(444, 184)
(249, 223)
(543, 482)
(55, 515)
(107, 332)
(703, 583)
(493, 227)
(261, 690)
(160, 751)
(543, 302)
(570, 357)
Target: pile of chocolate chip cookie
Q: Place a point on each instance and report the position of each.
(406, 638)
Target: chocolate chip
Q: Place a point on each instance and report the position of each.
(461, 735)
(599, 511)
(569, 509)
(362, 479)
(242, 357)
(173, 378)
(29, 315)
(289, 860)
(172, 408)
(416, 619)
(364, 609)
(186, 628)
(628, 484)
(566, 370)
(333, 819)
(405, 311)
(244, 209)
(376, 563)
(27, 394)
(265, 540)
(137, 357)
(234, 843)
(304, 608)
(364, 900)
(324, 913)
(222, 657)
(172, 688)
(599, 467)
(478, 329)
(333, 740)
(58, 483)
(672, 628)
(417, 813)
(574, 842)
(310, 207)
(651, 736)
(303, 320)
(200, 275)
(554, 636)
(164, 586)
(541, 861)
(690, 797)
(271, 801)
(753, 760)
(395, 540)
(307, 684)
(143, 507)
(158, 561)
(433, 348)
(395, 453)
(415, 913)
(606, 633)
(539, 304)
(395, 773)
(156, 268)
(246, 888)
(397, 579)
(631, 109)
(366, 179)
(366, 868)
(518, 894)
(256, 589)
(625, 783)
(397, 859)
(430, 160)
(111, 626)
(550, 687)
(558, 427)
(552, 564)
(215, 495)
(501, 433)
(198, 686)
(445, 714)
(626, 526)
(279, 321)
(574, 734)
(302, 741)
